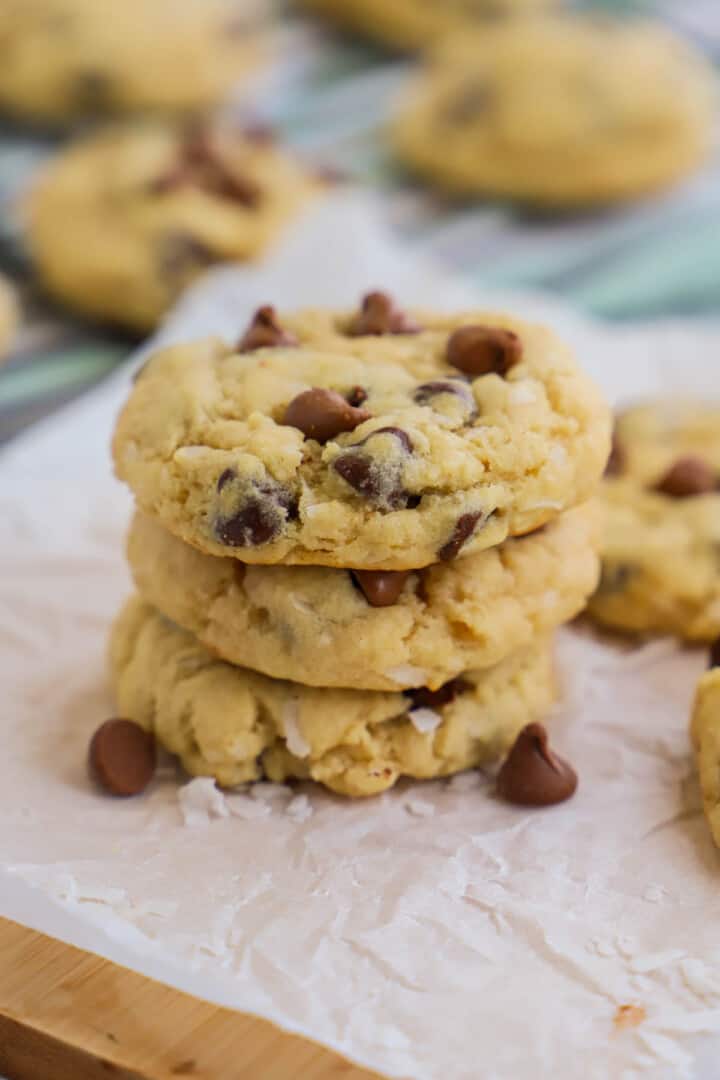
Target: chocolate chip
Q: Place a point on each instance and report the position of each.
(92, 91)
(225, 477)
(121, 757)
(614, 578)
(322, 414)
(617, 459)
(200, 165)
(381, 588)
(480, 350)
(426, 393)
(423, 698)
(714, 657)
(396, 432)
(380, 482)
(464, 528)
(688, 476)
(357, 396)
(265, 332)
(378, 315)
(532, 775)
(264, 509)
(181, 255)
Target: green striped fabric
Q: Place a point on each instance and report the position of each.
(657, 257)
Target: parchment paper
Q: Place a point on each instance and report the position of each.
(432, 932)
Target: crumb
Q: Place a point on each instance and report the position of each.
(629, 1016)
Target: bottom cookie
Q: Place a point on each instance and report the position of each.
(705, 733)
(237, 726)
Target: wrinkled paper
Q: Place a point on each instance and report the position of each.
(431, 932)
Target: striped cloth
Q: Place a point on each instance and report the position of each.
(660, 256)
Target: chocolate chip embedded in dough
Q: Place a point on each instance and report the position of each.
(378, 315)
(686, 477)
(357, 396)
(427, 393)
(378, 481)
(464, 528)
(265, 332)
(323, 414)
(263, 510)
(616, 462)
(423, 698)
(714, 657)
(122, 757)
(381, 588)
(532, 775)
(482, 350)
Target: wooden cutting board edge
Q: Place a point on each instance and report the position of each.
(66, 1014)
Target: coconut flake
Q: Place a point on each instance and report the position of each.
(296, 743)
(406, 675)
(420, 808)
(188, 453)
(522, 393)
(268, 791)
(242, 806)
(558, 455)
(425, 720)
(200, 801)
(299, 809)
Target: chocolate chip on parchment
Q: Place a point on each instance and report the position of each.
(322, 414)
(265, 332)
(532, 775)
(464, 528)
(378, 315)
(423, 698)
(686, 477)
(714, 656)
(122, 757)
(481, 350)
(264, 509)
(381, 588)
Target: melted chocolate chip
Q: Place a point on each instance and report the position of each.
(422, 698)
(378, 315)
(532, 775)
(357, 396)
(379, 482)
(381, 588)
(264, 509)
(121, 757)
(323, 414)
(426, 393)
(464, 528)
(714, 657)
(265, 332)
(616, 461)
(688, 476)
(481, 350)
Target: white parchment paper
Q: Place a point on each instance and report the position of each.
(432, 932)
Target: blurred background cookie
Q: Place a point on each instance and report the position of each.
(8, 315)
(64, 59)
(415, 24)
(121, 221)
(559, 112)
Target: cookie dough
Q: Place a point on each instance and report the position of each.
(559, 112)
(317, 626)
(469, 428)
(8, 315)
(705, 733)
(66, 59)
(237, 726)
(661, 545)
(123, 220)
(415, 24)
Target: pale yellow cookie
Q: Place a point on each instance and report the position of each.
(661, 545)
(415, 24)
(232, 724)
(325, 627)
(436, 462)
(559, 112)
(64, 59)
(705, 733)
(120, 222)
(8, 315)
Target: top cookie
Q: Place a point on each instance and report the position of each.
(373, 440)
(414, 24)
(63, 59)
(559, 112)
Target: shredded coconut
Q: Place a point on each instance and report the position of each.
(242, 806)
(522, 393)
(558, 455)
(266, 790)
(425, 720)
(299, 808)
(406, 675)
(296, 743)
(200, 801)
(187, 453)
(420, 808)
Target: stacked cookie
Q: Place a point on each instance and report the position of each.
(355, 534)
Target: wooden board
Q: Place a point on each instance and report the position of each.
(66, 1014)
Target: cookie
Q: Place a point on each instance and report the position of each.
(705, 733)
(372, 440)
(559, 112)
(68, 59)
(8, 315)
(122, 221)
(236, 725)
(372, 630)
(415, 24)
(661, 544)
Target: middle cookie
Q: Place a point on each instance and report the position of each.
(372, 630)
